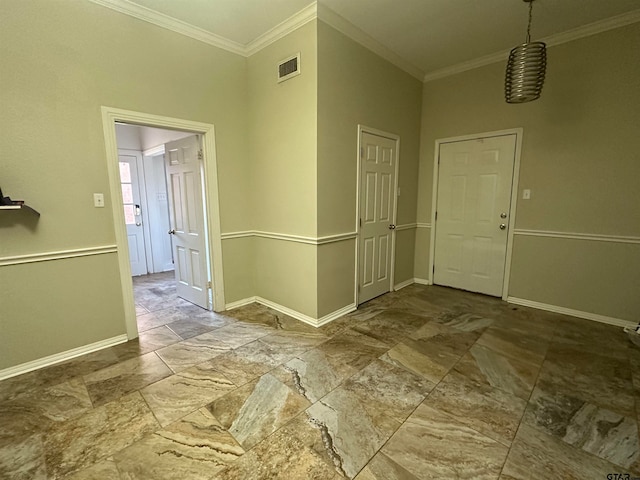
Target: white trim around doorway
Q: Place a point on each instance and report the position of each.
(112, 115)
(374, 131)
(518, 132)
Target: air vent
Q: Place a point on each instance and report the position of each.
(289, 68)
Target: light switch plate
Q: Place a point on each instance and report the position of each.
(98, 200)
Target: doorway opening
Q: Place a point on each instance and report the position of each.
(153, 206)
(475, 187)
(165, 206)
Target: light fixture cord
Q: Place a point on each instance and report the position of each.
(529, 24)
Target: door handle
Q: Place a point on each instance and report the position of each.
(137, 212)
(172, 231)
(502, 226)
(392, 227)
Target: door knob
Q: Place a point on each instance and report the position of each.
(502, 226)
(392, 227)
(503, 215)
(172, 231)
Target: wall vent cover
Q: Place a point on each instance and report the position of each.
(289, 68)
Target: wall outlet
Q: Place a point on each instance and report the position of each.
(98, 200)
(526, 194)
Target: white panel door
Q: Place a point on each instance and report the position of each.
(473, 202)
(158, 212)
(131, 199)
(377, 215)
(186, 212)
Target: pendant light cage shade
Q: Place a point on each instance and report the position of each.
(526, 70)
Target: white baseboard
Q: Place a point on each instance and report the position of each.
(239, 303)
(293, 313)
(336, 314)
(421, 281)
(618, 322)
(406, 283)
(61, 357)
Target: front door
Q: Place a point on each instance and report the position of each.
(131, 199)
(473, 202)
(377, 215)
(186, 212)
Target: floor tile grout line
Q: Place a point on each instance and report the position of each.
(524, 412)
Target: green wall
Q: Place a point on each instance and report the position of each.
(282, 152)
(62, 61)
(355, 86)
(579, 158)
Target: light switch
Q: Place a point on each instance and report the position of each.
(98, 200)
(526, 194)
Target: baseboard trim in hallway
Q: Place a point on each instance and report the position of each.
(619, 322)
(293, 313)
(61, 357)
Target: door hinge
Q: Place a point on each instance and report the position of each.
(358, 288)
(209, 285)
(436, 215)
(360, 222)
(361, 152)
(200, 155)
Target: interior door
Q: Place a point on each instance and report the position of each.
(377, 215)
(473, 202)
(131, 199)
(161, 258)
(186, 212)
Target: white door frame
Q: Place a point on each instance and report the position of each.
(518, 132)
(212, 211)
(374, 131)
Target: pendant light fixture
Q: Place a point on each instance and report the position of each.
(526, 68)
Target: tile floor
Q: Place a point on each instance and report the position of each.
(424, 383)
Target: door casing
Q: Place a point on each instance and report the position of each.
(112, 115)
(364, 129)
(518, 132)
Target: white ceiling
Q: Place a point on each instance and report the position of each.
(431, 35)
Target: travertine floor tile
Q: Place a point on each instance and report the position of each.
(487, 367)
(433, 445)
(128, 376)
(258, 409)
(593, 429)
(180, 394)
(489, 410)
(281, 456)
(384, 389)
(353, 432)
(23, 459)
(422, 383)
(99, 433)
(194, 448)
(193, 351)
(104, 470)
(535, 454)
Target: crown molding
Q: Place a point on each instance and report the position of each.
(552, 40)
(294, 22)
(173, 24)
(283, 29)
(354, 33)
